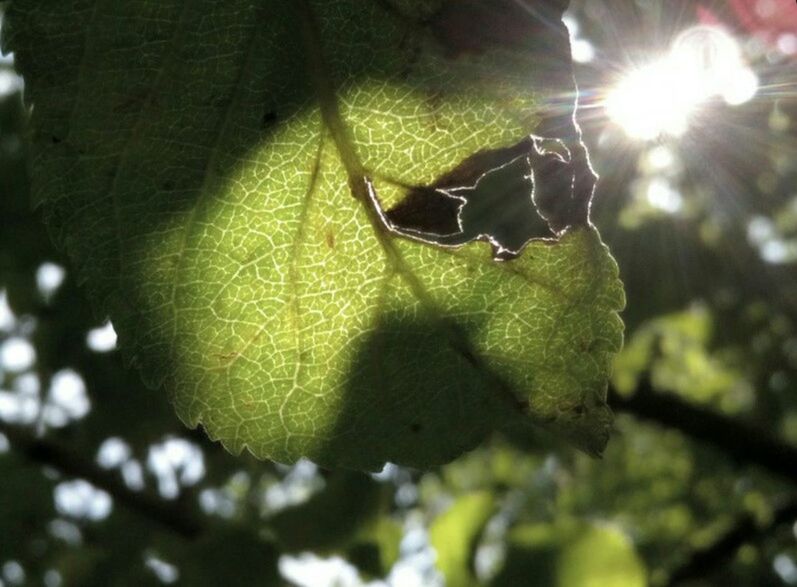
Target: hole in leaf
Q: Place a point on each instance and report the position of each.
(532, 190)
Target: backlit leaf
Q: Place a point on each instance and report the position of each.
(222, 175)
(455, 535)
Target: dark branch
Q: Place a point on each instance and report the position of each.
(702, 562)
(738, 440)
(168, 515)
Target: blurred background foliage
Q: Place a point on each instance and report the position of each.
(101, 485)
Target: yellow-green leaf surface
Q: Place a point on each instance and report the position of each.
(455, 534)
(218, 172)
(585, 555)
(600, 557)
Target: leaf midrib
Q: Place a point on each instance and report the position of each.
(360, 183)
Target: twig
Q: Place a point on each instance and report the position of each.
(738, 440)
(167, 514)
(705, 560)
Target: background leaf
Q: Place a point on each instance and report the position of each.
(575, 556)
(455, 535)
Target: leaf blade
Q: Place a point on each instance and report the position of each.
(206, 201)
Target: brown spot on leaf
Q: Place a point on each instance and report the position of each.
(329, 238)
(268, 119)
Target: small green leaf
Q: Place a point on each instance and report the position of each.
(676, 351)
(455, 535)
(577, 556)
(376, 547)
(222, 176)
(600, 557)
(531, 552)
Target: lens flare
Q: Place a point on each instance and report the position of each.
(661, 98)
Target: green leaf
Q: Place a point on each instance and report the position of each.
(531, 552)
(676, 351)
(580, 556)
(455, 535)
(376, 547)
(600, 557)
(222, 175)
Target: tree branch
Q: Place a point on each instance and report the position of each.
(702, 562)
(168, 515)
(738, 440)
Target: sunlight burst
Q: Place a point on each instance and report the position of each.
(661, 98)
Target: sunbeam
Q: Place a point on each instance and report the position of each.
(661, 97)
